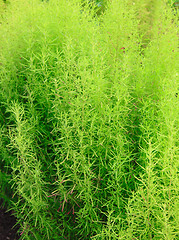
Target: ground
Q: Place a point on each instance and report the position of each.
(7, 221)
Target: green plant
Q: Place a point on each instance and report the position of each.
(88, 120)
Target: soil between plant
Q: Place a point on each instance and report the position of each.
(7, 222)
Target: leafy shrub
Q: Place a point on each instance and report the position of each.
(88, 120)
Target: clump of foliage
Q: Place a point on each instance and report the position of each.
(88, 119)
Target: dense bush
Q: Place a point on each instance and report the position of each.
(88, 119)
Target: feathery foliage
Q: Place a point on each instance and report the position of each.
(88, 118)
